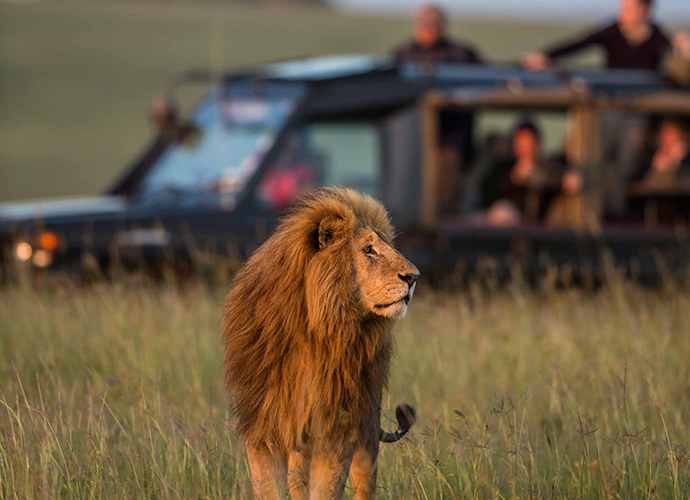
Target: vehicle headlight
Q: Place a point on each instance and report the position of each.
(42, 258)
(41, 253)
(23, 251)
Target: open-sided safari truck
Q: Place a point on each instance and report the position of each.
(413, 137)
(571, 231)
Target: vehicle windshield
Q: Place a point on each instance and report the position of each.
(221, 146)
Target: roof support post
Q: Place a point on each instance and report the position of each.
(430, 105)
(586, 153)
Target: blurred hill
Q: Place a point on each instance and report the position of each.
(76, 77)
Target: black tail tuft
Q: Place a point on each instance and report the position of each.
(406, 417)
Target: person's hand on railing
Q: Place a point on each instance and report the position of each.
(677, 61)
(535, 61)
(681, 44)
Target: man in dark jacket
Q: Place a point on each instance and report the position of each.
(430, 43)
(632, 41)
(429, 46)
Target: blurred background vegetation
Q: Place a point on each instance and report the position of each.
(76, 77)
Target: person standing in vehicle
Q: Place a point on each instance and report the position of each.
(632, 41)
(431, 44)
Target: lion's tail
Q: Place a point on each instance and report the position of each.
(406, 417)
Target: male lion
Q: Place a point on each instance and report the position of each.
(307, 325)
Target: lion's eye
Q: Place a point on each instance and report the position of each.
(369, 250)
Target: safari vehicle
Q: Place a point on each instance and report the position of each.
(217, 183)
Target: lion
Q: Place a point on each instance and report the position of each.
(307, 332)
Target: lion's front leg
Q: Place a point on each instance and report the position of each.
(268, 473)
(363, 468)
(328, 473)
(298, 475)
(363, 472)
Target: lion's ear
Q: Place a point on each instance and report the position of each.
(331, 229)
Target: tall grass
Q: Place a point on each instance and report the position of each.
(116, 391)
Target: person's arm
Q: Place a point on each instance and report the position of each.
(595, 38)
(540, 61)
(681, 43)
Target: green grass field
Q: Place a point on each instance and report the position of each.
(116, 391)
(76, 77)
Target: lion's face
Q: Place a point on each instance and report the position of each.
(385, 279)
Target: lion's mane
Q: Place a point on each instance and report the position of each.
(302, 360)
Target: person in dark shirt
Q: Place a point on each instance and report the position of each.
(621, 51)
(662, 168)
(431, 45)
(512, 184)
(524, 167)
(670, 161)
(633, 41)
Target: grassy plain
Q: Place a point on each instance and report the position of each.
(77, 76)
(115, 391)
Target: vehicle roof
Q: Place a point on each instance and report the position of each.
(331, 67)
(355, 87)
(324, 69)
(356, 84)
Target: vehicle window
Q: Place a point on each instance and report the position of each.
(524, 171)
(352, 155)
(656, 189)
(222, 147)
(345, 155)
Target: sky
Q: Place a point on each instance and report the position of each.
(669, 11)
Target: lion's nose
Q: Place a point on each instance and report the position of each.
(409, 278)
